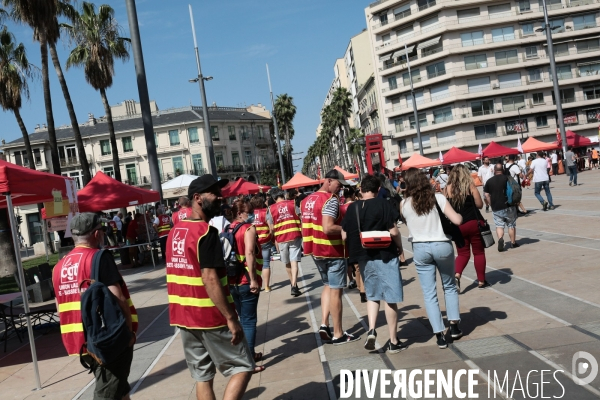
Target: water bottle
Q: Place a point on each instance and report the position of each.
(35, 278)
(127, 242)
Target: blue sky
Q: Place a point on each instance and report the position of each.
(300, 41)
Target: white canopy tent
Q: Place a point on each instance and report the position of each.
(176, 186)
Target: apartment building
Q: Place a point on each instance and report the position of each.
(481, 71)
(359, 68)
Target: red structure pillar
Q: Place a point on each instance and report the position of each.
(375, 154)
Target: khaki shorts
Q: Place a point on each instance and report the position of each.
(291, 251)
(207, 350)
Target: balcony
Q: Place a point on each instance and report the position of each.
(69, 162)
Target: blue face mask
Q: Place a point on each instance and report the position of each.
(250, 219)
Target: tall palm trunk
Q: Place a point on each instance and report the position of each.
(25, 138)
(113, 138)
(85, 166)
(8, 262)
(288, 151)
(48, 105)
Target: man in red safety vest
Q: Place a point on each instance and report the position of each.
(163, 227)
(184, 211)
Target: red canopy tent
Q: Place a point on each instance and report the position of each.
(105, 193)
(575, 140)
(347, 175)
(455, 155)
(241, 186)
(532, 145)
(300, 180)
(418, 161)
(497, 150)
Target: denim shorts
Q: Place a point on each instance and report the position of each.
(267, 252)
(506, 218)
(382, 280)
(333, 271)
(291, 251)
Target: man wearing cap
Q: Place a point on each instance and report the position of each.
(74, 268)
(184, 210)
(199, 300)
(288, 235)
(322, 235)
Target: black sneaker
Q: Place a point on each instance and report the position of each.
(515, 245)
(346, 338)
(396, 348)
(551, 208)
(486, 284)
(501, 244)
(295, 291)
(363, 297)
(352, 284)
(545, 205)
(371, 338)
(325, 333)
(455, 331)
(457, 283)
(441, 340)
(487, 209)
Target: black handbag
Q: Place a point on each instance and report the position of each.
(450, 229)
(484, 229)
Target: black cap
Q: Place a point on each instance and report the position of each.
(203, 183)
(338, 176)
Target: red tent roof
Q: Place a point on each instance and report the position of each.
(241, 186)
(300, 180)
(418, 161)
(347, 175)
(28, 186)
(532, 145)
(455, 155)
(497, 150)
(105, 193)
(576, 140)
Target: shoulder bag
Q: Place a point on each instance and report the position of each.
(372, 239)
(484, 229)
(450, 229)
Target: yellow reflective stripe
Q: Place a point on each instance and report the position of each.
(134, 318)
(70, 328)
(289, 222)
(264, 235)
(72, 306)
(129, 302)
(323, 241)
(164, 228)
(260, 261)
(190, 281)
(194, 302)
(310, 225)
(261, 228)
(287, 231)
(259, 273)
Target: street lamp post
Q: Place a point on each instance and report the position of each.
(414, 102)
(519, 111)
(276, 128)
(212, 166)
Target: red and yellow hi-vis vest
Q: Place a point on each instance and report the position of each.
(164, 225)
(343, 210)
(241, 255)
(262, 227)
(67, 275)
(286, 223)
(316, 242)
(182, 214)
(189, 304)
(113, 225)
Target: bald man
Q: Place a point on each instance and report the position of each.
(184, 212)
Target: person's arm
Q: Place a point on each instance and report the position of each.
(215, 292)
(111, 277)
(396, 237)
(344, 235)
(452, 215)
(250, 244)
(116, 290)
(329, 226)
(476, 196)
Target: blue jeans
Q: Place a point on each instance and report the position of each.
(267, 250)
(429, 256)
(245, 305)
(573, 171)
(546, 186)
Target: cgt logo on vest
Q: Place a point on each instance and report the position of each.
(284, 212)
(178, 242)
(68, 272)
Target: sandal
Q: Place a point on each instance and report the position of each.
(258, 368)
(457, 283)
(257, 357)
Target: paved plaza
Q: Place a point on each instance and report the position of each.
(542, 308)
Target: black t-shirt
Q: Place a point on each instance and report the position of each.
(210, 252)
(109, 273)
(468, 210)
(375, 215)
(496, 187)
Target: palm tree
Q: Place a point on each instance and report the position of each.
(97, 44)
(341, 106)
(14, 72)
(355, 146)
(40, 15)
(285, 111)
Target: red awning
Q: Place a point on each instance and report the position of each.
(532, 145)
(300, 180)
(494, 149)
(106, 193)
(28, 186)
(455, 155)
(576, 140)
(347, 175)
(241, 186)
(418, 161)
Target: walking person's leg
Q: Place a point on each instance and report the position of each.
(570, 168)
(443, 254)
(478, 256)
(538, 188)
(575, 176)
(548, 195)
(266, 269)
(248, 317)
(426, 270)
(500, 222)
(464, 253)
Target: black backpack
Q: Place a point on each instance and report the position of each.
(235, 268)
(104, 324)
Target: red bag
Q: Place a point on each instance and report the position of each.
(373, 239)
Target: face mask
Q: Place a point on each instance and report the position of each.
(250, 218)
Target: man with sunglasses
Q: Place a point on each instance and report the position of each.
(74, 268)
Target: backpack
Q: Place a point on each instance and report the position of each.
(235, 268)
(513, 192)
(105, 327)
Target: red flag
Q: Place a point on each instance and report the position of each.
(278, 182)
(399, 159)
(356, 166)
(558, 138)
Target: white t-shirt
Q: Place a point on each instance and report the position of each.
(424, 228)
(442, 179)
(540, 172)
(522, 164)
(219, 222)
(554, 158)
(514, 170)
(118, 221)
(485, 173)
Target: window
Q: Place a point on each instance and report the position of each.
(403, 32)
(197, 164)
(174, 137)
(418, 98)
(554, 4)
(437, 69)
(527, 29)
(503, 34)
(470, 15)
(424, 140)
(261, 132)
(538, 98)
(566, 95)
(77, 178)
(585, 69)
(18, 159)
(402, 146)
(131, 174)
(516, 126)
(156, 139)
(584, 22)
(429, 22)
(398, 125)
(535, 75)
(244, 133)
(178, 165)
(385, 39)
(476, 62)
(485, 131)
(524, 6)
(446, 137)
(541, 121)
(247, 157)
(506, 57)
(37, 156)
(235, 158)
(585, 46)
(593, 115)
(193, 133)
(442, 115)
(531, 52)
(512, 103)
(416, 77)
(561, 49)
(383, 18)
(219, 158)
(439, 92)
(560, 23)
(422, 120)
(127, 144)
(483, 107)
(105, 147)
(509, 80)
(425, 4)
(471, 38)
(564, 72)
(478, 84)
(392, 83)
(591, 92)
(231, 130)
(500, 10)
(402, 11)
(214, 133)
(110, 171)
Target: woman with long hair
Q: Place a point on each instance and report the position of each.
(432, 250)
(466, 200)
